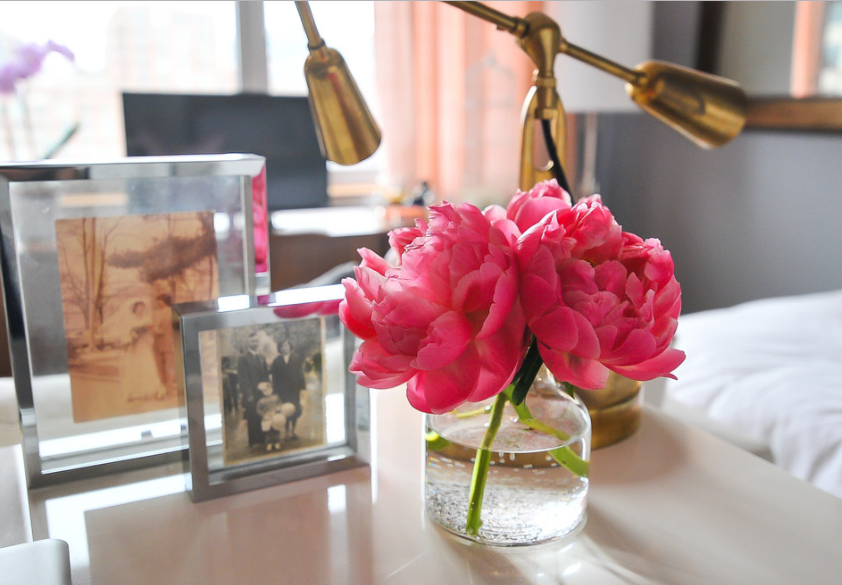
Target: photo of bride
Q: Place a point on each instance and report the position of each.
(132, 327)
(120, 277)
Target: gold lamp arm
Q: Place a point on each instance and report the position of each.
(540, 37)
(308, 23)
(512, 24)
(707, 109)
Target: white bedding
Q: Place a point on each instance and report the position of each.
(772, 369)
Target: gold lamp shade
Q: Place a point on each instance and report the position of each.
(707, 109)
(345, 127)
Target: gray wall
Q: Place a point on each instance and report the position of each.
(758, 217)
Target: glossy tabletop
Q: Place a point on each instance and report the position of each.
(671, 504)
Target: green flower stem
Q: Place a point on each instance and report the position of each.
(481, 464)
(532, 363)
(567, 458)
(564, 456)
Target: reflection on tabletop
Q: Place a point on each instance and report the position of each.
(668, 505)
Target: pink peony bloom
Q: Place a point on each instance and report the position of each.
(446, 321)
(655, 298)
(598, 299)
(528, 207)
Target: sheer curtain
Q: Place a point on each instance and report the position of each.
(451, 92)
(807, 48)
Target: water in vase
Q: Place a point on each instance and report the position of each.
(529, 498)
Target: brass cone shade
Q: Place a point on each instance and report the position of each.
(707, 109)
(345, 127)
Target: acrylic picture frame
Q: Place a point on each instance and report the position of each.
(47, 210)
(335, 433)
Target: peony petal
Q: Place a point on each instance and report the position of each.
(373, 261)
(355, 310)
(587, 343)
(495, 213)
(583, 373)
(505, 297)
(611, 276)
(471, 292)
(557, 328)
(638, 347)
(500, 358)
(415, 395)
(376, 368)
(447, 338)
(659, 366)
(536, 210)
(537, 296)
(447, 388)
(401, 238)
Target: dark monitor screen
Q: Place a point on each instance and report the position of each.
(279, 128)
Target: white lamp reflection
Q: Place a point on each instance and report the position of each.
(336, 499)
(64, 517)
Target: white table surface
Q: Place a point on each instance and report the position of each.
(672, 504)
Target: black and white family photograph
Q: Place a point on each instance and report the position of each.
(273, 389)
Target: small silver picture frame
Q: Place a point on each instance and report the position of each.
(269, 395)
(91, 254)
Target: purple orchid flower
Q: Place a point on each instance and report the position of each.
(27, 62)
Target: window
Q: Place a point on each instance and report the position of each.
(176, 47)
(348, 27)
(140, 46)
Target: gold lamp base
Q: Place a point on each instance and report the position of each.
(615, 410)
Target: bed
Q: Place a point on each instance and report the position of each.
(768, 373)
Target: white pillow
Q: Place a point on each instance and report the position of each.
(772, 369)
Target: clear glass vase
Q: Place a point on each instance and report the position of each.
(536, 480)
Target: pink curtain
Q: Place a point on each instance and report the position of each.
(451, 88)
(807, 46)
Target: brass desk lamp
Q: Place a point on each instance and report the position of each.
(708, 110)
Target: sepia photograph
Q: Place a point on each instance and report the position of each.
(272, 388)
(120, 277)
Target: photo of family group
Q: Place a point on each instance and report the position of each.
(120, 277)
(273, 391)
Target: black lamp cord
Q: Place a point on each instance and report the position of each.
(557, 169)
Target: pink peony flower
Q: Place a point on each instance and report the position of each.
(446, 321)
(655, 298)
(598, 299)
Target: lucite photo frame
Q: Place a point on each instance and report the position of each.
(269, 396)
(93, 257)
